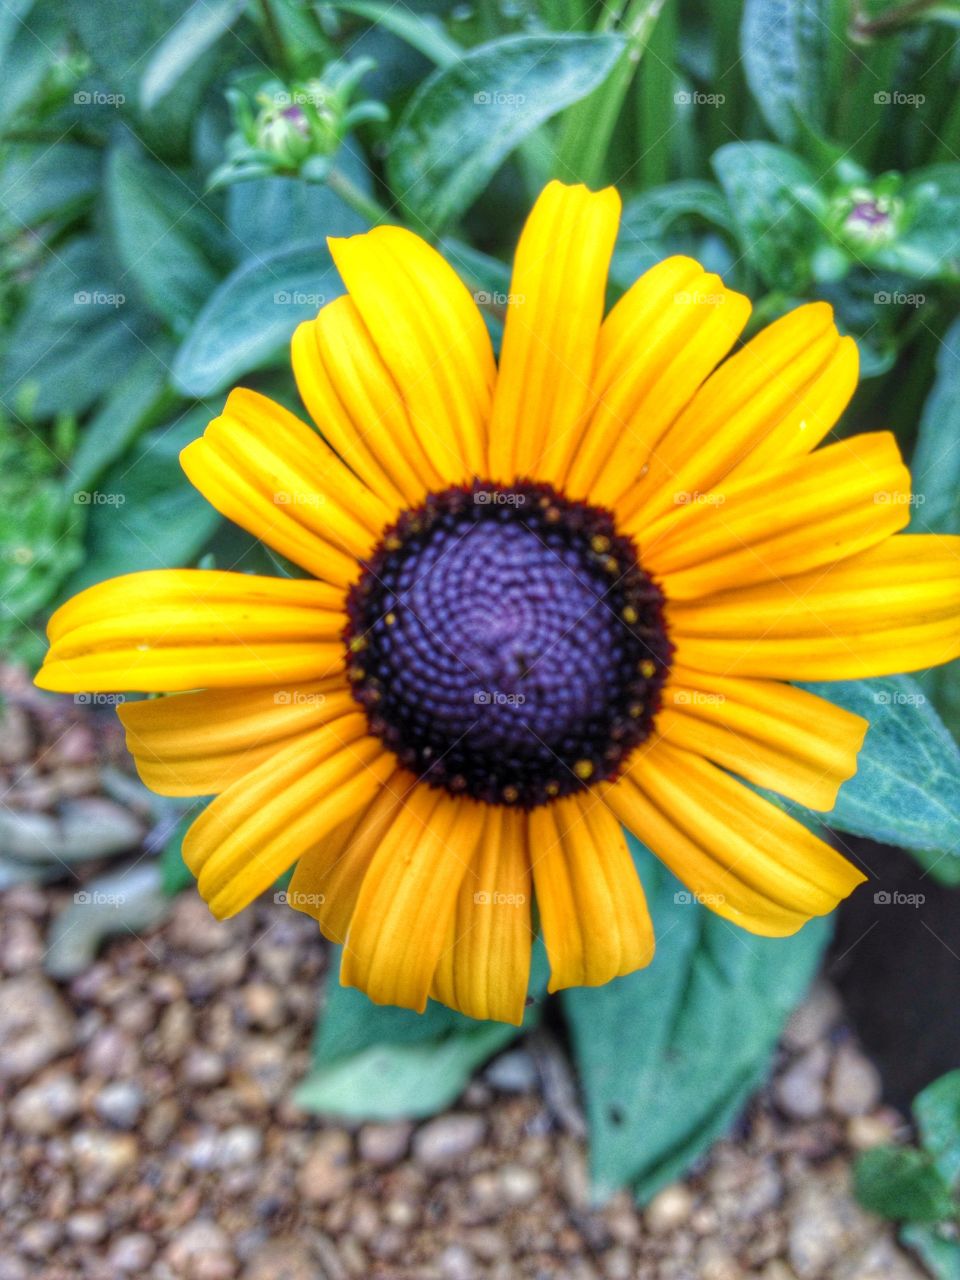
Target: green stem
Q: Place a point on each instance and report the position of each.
(654, 97)
(588, 125)
(275, 35)
(358, 200)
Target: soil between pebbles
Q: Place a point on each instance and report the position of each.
(147, 1130)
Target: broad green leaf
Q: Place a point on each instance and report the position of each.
(379, 1062)
(126, 411)
(127, 901)
(201, 26)
(906, 790)
(175, 875)
(936, 479)
(662, 1072)
(465, 120)
(776, 208)
(42, 183)
(251, 316)
(650, 217)
(144, 513)
(902, 1184)
(937, 1113)
(395, 1081)
(269, 214)
(937, 1247)
(926, 247)
(166, 238)
(76, 335)
(27, 55)
(423, 31)
(785, 46)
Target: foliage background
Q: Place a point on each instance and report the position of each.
(168, 175)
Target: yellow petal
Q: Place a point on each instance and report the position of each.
(736, 852)
(408, 898)
(772, 734)
(592, 908)
(430, 336)
(484, 968)
(327, 879)
(893, 608)
(173, 629)
(261, 825)
(776, 398)
(797, 516)
(198, 744)
(550, 339)
(659, 342)
(353, 398)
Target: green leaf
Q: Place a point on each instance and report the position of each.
(395, 1081)
(902, 1184)
(662, 1074)
(175, 875)
(76, 335)
(937, 1113)
(926, 247)
(42, 183)
(650, 217)
(165, 236)
(127, 410)
(201, 26)
(269, 214)
(251, 316)
(145, 514)
(422, 31)
(465, 120)
(939, 1250)
(906, 790)
(776, 207)
(378, 1062)
(936, 477)
(785, 47)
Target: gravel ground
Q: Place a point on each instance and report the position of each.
(147, 1128)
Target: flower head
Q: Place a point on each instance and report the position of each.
(548, 595)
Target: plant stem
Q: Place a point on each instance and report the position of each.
(358, 200)
(589, 124)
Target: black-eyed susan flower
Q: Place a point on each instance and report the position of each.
(545, 597)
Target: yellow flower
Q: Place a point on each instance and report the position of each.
(544, 599)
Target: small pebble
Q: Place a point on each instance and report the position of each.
(442, 1143)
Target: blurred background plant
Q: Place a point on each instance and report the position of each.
(168, 175)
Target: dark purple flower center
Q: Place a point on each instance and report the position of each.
(506, 644)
